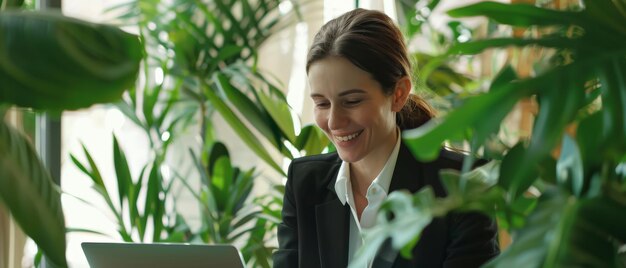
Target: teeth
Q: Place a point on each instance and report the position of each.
(349, 137)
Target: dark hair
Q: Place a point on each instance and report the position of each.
(371, 41)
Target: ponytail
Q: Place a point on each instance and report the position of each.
(416, 112)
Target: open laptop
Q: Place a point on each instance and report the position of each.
(123, 255)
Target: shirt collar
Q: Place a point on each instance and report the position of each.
(383, 180)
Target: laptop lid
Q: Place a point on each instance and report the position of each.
(123, 255)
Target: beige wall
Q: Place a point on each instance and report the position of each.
(12, 239)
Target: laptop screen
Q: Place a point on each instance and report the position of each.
(122, 255)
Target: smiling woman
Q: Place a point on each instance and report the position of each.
(358, 71)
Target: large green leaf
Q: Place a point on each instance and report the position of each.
(248, 109)
(280, 112)
(11, 3)
(481, 114)
(241, 129)
(607, 14)
(27, 190)
(531, 243)
(521, 15)
(566, 232)
(311, 140)
(478, 46)
(613, 90)
(222, 182)
(48, 61)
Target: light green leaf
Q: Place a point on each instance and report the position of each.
(221, 182)
(248, 109)
(402, 230)
(280, 112)
(569, 168)
(478, 46)
(521, 15)
(311, 140)
(482, 112)
(241, 129)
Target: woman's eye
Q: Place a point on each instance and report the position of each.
(352, 102)
(322, 104)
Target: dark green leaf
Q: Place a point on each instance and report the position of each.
(95, 172)
(613, 90)
(133, 202)
(152, 195)
(217, 150)
(607, 14)
(519, 169)
(27, 190)
(124, 179)
(55, 62)
(591, 142)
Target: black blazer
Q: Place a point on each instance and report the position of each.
(315, 227)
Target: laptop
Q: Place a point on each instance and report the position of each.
(126, 255)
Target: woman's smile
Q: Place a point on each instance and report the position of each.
(347, 138)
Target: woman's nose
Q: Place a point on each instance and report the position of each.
(337, 118)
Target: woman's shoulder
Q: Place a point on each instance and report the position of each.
(315, 165)
(313, 174)
(327, 158)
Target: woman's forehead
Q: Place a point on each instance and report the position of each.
(336, 75)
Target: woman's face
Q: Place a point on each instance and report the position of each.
(353, 111)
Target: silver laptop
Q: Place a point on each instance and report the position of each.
(123, 255)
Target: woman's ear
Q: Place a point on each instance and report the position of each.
(401, 93)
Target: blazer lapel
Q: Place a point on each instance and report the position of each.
(333, 228)
(407, 175)
(333, 232)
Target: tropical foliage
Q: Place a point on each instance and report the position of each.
(202, 60)
(211, 47)
(99, 63)
(575, 156)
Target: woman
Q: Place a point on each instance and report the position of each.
(359, 75)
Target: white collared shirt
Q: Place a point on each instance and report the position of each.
(376, 194)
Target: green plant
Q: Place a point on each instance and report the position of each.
(212, 46)
(583, 182)
(99, 63)
(228, 216)
(436, 76)
(141, 202)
